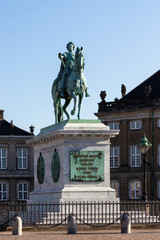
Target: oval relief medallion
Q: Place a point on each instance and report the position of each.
(40, 169)
(55, 166)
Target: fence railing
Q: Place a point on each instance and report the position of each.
(91, 213)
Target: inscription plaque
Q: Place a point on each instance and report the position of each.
(86, 166)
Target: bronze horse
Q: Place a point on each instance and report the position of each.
(75, 86)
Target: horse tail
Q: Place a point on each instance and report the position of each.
(53, 91)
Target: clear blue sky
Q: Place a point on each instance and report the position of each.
(121, 41)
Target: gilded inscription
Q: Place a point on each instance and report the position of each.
(87, 166)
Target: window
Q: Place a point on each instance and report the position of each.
(158, 155)
(158, 189)
(3, 158)
(158, 123)
(135, 156)
(114, 157)
(22, 191)
(135, 189)
(22, 158)
(114, 126)
(3, 191)
(135, 125)
(115, 185)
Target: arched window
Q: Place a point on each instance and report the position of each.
(135, 189)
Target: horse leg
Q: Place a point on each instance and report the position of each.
(55, 111)
(72, 94)
(67, 102)
(60, 111)
(79, 104)
(56, 103)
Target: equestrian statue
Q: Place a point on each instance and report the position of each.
(69, 83)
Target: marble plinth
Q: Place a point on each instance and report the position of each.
(71, 135)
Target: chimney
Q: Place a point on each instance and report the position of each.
(1, 114)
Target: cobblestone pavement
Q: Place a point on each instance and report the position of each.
(149, 234)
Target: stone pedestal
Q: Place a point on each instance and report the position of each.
(72, 162)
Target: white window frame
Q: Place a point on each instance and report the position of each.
(114, 126)
(22, 158)
(115, 185)
(114, 158)
(23, 192)
(135, 157)
(3, 191)
(3, 158)
(135, 125)
(137, 192)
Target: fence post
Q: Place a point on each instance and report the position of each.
(17, 226)
(125, 223)
(72, 225)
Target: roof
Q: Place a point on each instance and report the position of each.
(145, 95)
(138, 93)
(7, 128)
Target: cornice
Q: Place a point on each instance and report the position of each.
(73, 130)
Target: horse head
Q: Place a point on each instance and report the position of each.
(79, 59)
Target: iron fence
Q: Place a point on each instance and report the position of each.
(90, 213)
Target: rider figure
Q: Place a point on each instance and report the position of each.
(67, 59)
(67, 65)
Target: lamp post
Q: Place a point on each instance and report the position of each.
(144, 146)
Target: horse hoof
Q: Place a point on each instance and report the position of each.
(72, 112)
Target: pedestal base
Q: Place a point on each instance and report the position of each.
(71, 162)
(75, 195)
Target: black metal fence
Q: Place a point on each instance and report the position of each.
(90, 213)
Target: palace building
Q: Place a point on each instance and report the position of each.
(16, 162)
(136, 113)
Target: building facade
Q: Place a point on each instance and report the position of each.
(16, 162)
(136, 113)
